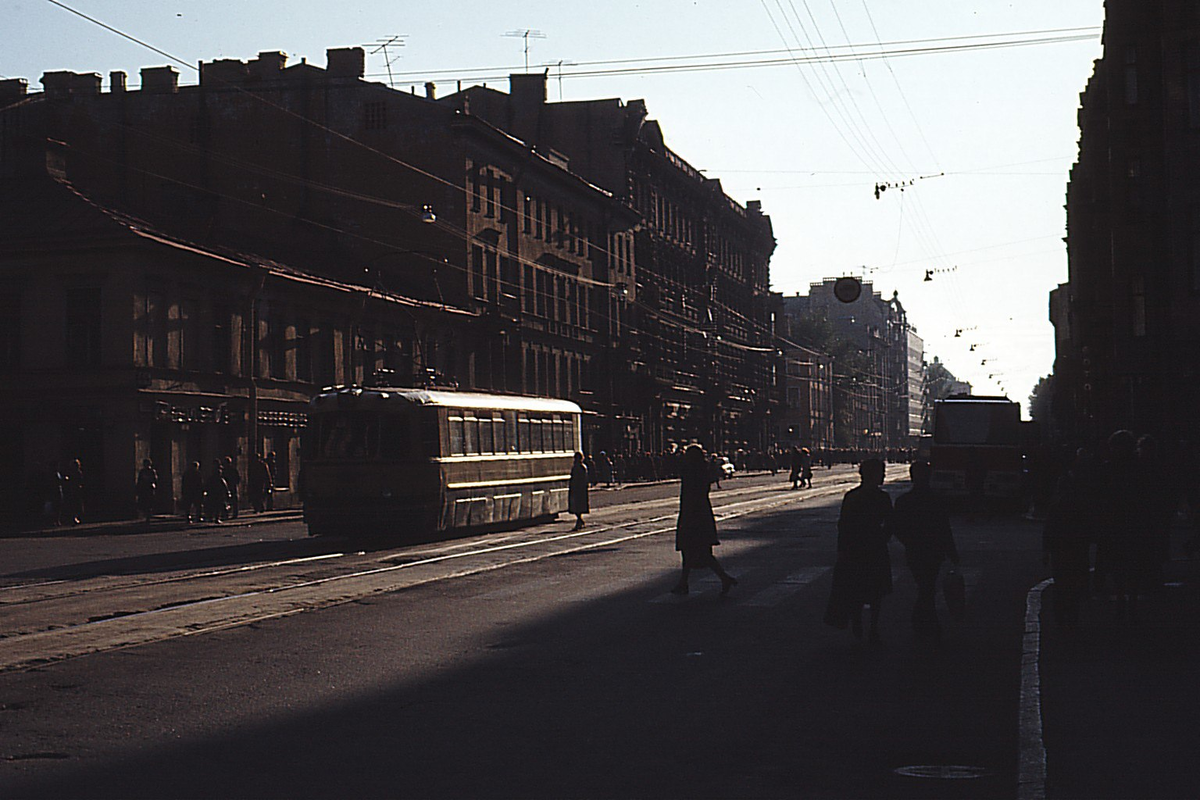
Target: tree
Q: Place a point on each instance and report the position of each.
(1041, 400)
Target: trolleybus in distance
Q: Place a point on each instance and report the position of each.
(407, 463)
(976, 450)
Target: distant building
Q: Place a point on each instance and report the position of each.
(1128, 321)
(878, 383)
(698, 353)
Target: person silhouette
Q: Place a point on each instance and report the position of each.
(920, 523)
(696, 528)
(577, 491)
(862, 546)
(1071, 520)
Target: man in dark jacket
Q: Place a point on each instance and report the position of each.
(193, 492)
(921, 524)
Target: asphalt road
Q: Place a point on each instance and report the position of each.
(522, 664)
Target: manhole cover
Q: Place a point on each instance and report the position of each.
(943, 772)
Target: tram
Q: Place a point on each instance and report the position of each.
(402, 462)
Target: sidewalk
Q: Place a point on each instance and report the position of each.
(157, 524)
(1120, 700)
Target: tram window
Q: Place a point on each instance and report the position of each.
(349, 436)
(393, 437)
(560, 434)
(486, 439)
(525, 435)
(539, 435)
(500, 429)
(456, 436)
(471, 436)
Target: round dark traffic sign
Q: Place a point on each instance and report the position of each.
(847, 289)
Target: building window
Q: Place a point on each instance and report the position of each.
(527, 214)
(475, 200)
(491, 194)
(10, 329)
(541, 217)
(222, 339)
(375, 116)
(189, 336)
(1131, 76)
(1194, 254)
(1191, 61)
(477, 283)
(1138, 310)
(84, 325)
(304, 351)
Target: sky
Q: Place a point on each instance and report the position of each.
(982, 139)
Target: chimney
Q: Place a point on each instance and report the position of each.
(63, 85)
(160, 80)
(116, 82)
(754, 207)
(431, 90)
(12, 90)
(345, 62)
(268, 65)
(223, 73)
(527, 90)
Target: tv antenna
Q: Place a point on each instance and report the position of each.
(526, 35)
(559, 65)
(382, 44)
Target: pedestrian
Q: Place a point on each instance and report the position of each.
(1126, 551)
(258, 480)
(216, 494)
(193, 492)
(145, 488)
(796, 467)
(862, 546)
(1163, 487)
(1071, 520)
(696, 528)
(921, 524)
(806, 472)
(272, 471)
(72, 486)
(577, 491)
(233, 479)
(55, 479)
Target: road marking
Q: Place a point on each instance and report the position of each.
(1031, 776)
(781, 590)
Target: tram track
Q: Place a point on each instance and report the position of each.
(94, 615)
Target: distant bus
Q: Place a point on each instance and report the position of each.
(976, 452)
(382, 461)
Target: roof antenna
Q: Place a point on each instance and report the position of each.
(382, 44)
(526, 34)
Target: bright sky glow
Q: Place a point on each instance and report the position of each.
(809, 140)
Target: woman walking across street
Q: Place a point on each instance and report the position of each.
(696, 530)
(863, 559)
(577, 491)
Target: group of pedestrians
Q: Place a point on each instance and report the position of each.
(59, 492)
(1108, 526)
(211, 497)
(862, 576)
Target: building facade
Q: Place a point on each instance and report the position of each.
(699, 334)
(182, 266)
(1128, 320)
(878, 386)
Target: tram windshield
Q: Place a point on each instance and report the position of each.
(359, 435)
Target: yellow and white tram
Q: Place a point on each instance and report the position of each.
(394, 462)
